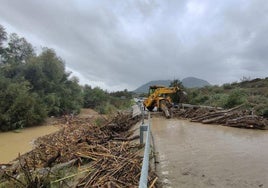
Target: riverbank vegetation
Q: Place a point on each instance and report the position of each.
(252, 93)
(36, 85)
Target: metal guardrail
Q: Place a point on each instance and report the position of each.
(145, 163)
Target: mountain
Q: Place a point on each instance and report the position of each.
(188, 82)
(144, 88)
(191, 82)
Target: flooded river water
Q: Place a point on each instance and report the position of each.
(12, 143)
(198, 155)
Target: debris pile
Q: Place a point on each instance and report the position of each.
(234, 117)
(115, 165)
(106, 149)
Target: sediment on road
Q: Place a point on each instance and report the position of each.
(84, 153)
(234, 117)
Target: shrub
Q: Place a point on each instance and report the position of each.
(217, 100)
(265, 113)
(18, 107)
(235, 98)
(227, 86)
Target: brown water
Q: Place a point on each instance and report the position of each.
(198, 155)
(12, 143)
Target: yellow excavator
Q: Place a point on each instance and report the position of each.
(159, 98)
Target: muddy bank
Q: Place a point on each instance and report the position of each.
(198, 155)
(14, 142)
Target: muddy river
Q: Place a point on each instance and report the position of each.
(198, 155)
(12, 143)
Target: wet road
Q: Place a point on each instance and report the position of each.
(198, 155)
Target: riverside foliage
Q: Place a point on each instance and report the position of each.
(34, 86)
(252, 93)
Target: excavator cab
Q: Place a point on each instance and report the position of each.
(159, 97)
(153, 88)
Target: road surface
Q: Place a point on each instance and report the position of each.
(198, 155)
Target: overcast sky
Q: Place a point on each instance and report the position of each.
(124, 44)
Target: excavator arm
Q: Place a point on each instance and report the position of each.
(158, 97)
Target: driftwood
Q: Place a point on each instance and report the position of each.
(234, 117)
(106, 149)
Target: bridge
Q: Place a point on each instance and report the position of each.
(196, 155)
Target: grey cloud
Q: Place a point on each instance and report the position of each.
(127, 43)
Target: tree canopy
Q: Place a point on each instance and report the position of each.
(34, 86)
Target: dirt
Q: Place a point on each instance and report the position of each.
(88, 113)
(198, 155)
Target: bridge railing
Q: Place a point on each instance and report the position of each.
(145, 163)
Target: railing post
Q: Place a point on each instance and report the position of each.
(142, 112)
(142, 129)
(145, 163)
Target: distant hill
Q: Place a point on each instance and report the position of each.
(188, 82)
(191, 82)
(144, 88)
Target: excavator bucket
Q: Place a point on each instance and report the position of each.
(165, 109)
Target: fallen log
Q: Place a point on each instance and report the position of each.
(105, 149)
(231, 117)
(128, 139)
(213, 120)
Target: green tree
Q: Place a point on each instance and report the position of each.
(176, 83)
(52, 66)
(34, 74)
(19, 107)
(179, 96)
(94, 97)
(71, 99)
(18, 50)
(3, 37)
(33, 86)
(48, 78)
(122, 94)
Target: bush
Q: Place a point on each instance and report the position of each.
(218, 100)
(235, 98)
(200, 99)
(106, 108)
(19, 107)
(227, 86)
(265, 113)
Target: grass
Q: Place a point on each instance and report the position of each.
(252, 93)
